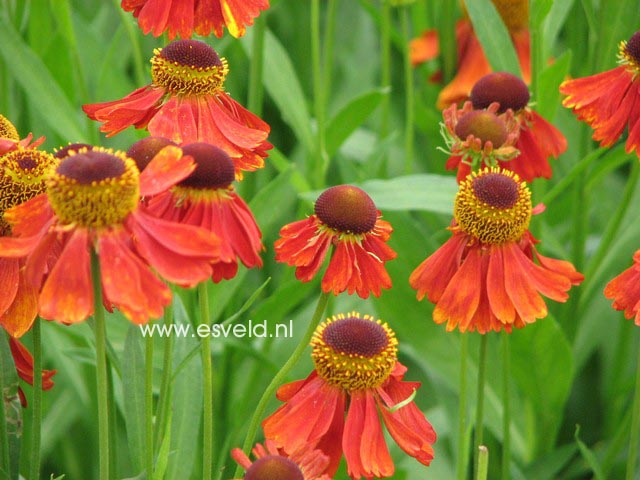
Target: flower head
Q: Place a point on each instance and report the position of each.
(337, 409)
(608, 101)
(624, 290)
(207, 199)
(186, 103)
(10, 139)
(92, 204)
(271, 464)
(346, 218)
(186, 17)
(485, 277)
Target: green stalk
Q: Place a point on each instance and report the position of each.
(148, 404)
(329, 41)
(164, 400)
(256, 92)
(5, 464)
(101, 368)
(207, 375)
(506, 406)
(409, 93)
(447, 27)
(36, 432)
(321, 161)
(463, 441)
(482, 371)
(635, 428)
(282, 375)
(385, 79)
(483, 463)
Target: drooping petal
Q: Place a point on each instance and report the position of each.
(9, 280)
(624, 290)
(425, 47)
(19, 317)
(499, 300)
(165, 170)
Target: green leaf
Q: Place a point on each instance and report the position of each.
(133, 375)
(554, 21)
(33, 76)
(589, 456)
(282, 84)
(494, 36)
(549, 466)
(550, 79)
(539, 11)
(350, 117)
(163, 455)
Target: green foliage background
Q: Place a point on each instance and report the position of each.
(576, 367)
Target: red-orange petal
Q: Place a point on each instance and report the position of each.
(165, 170)
(19, 317)
(9, 280)
(425, 47)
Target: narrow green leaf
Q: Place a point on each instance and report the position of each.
(133, 389)
(589, 456)
(33, 76)
(163, 455)
(493, 36)
(554, 21)
(350, 117)
(550, 79)
(539, 11)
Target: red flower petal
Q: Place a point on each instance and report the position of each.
(165, 170)
(9, 281)
(19, 317)
(499, 300)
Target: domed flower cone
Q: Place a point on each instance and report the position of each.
(186, 17)
(304, 464)
(537, 139)
(186, 103)
(92, 203)
(608, 101)
(489, 275)
(346, 218)
(207, 199)
(10, 139)
(357, 385)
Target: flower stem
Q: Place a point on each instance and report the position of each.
(101, 368)
(408, 86)
(483, 463)
(148, 404)
(207, 375)
(506, 406)
(256, 91)
(318, 95)
(36, 433)
(329, 40)
(482, 367)
(5, 462)
(385, 80)
(635, 428)
(164, 399)
(463, 441)
(282, 374)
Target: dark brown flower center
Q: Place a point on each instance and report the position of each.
(273, 467)
(191, 53)
(92, 166)
(497, 190)
(502, 87)
(633, 47)
(347, 209)
(144, 150)
(486, 126)
(72, 147)
(214, 168)
(356, 336)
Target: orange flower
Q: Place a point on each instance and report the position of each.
(609, 102)
(356, 374)
(537, 139)
(472, 62)
(22, 177)
(186, 103)
(184, 17)
(302, 464)
(206, 198)
(10, 140)
(346, 218)
(485, 277)
(24, 366)
(624, 290)
(92, 204)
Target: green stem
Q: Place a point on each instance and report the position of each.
(463, 441)
(36, 433)
(5, 464)
(447, 37)
(409, 91)
(164, 399)
(635, 428)
(318, 96)
(385, 79)
(101, 368)
(282, 375)
(483, 463)
(482, 371)
(256, 92)
(207, 374)
(506, 406)
(329, 40)
(148, 404)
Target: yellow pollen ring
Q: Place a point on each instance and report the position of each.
(353, 372)
(179, 79)
(189, 195)
(627, 60)
(102, 203)
(8, 130)
(488, 223)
